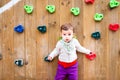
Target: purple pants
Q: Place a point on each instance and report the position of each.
(71, 72)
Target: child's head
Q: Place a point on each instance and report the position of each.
(67, 31)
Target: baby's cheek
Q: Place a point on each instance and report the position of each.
(71, 37)
(63, 37)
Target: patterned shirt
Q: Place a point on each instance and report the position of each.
(67, 51)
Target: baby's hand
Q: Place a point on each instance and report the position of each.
(48, 59)
(91, 56)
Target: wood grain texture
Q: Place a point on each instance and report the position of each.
(3, 2)
(30, 41)
(53, 35)
(114, 48)
(42, 40)
(65, 15)
(19, 41)
(1, 39)
(77, 22)
(7, 45)
(88, 42)
(102, 44)
(1, 61)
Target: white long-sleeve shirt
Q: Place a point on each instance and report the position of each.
(67, 51)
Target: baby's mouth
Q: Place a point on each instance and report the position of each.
(67, 40)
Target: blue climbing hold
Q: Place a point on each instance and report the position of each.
(42, 29)
(19, 29)
(96, 35)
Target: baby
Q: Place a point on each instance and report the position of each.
(66, 50)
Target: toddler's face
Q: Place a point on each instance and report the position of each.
(67, 35)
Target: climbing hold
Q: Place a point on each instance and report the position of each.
(1, 57)
(75, 11)
(19, 62)
(50, 8)
(19, 28)
(46, 59)
(114, 27)
(89, 1)
(113, 4)
(42, 29)
(28, 9)
(98, 17)
(91, 56)
(96, 35)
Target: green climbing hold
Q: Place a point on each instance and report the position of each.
(50, 8)
(113, 4)
(98, 17)
(28, 9)
(75, 11)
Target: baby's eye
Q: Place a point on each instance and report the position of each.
(69, 34)
(64, 34)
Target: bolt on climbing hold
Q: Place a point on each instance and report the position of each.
(98, 17)
(19, 28)
(114, 27)
(96, 35)
(28, 9)
(50, 8)
(19, 62)
(113, 4)
(46, 59)
(75, 11)
(42, 29)
(89, 1)
(91, 56)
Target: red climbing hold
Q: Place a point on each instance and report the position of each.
(89, 1)
(91, 56)
(114, 27)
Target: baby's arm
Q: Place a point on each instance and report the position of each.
(55, 52)
(80, 48)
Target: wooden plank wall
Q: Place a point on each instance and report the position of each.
(33, 46)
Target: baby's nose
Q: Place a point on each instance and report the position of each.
(67, 36)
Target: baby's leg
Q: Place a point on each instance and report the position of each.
(61, 73)
(73, 72)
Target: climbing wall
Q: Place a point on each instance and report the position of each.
(30, 46)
